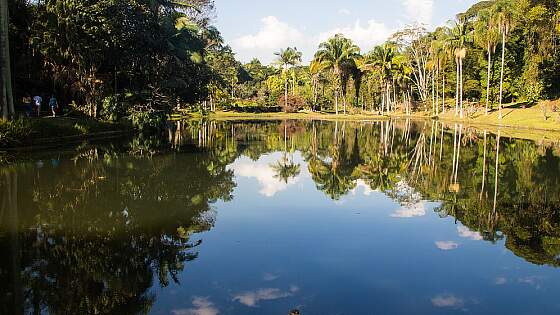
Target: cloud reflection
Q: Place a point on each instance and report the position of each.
(265, 175)
(466, 233)
(448, 300)
(447, 245)
(201, 306)
(252, 298)
(410, 211)
(361, 184)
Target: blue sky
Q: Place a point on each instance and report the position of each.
(258, 28)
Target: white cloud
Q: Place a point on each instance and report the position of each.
(420, 11)
(252, 298)
(201, 306)
(447, 300)
(447, 245)
(361, 184)
(365, 36)
(275, 34)
(264, 174)
(466, 233)
(271, 37)
(410, 211)
(344, 12)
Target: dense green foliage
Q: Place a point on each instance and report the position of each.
(143, 59)
(115, 59)
(458, 66)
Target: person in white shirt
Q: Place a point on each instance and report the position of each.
(38, 100)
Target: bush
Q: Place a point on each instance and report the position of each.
(113, 109)
(13, 132)
(294, 104)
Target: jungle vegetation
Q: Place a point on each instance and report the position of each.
(141, 60)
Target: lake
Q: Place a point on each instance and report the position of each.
(264, 217)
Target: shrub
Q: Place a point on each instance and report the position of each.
(13, 132)
(294, 104)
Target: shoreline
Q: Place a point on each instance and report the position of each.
(518, 130)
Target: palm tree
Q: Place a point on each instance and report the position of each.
(504, 13)
(315, 71)
(380, 61)
(443, 52)
(287, 58)
(486, 36)
(6, 97)
(459, 39)
(334, 54)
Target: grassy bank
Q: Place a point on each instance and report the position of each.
(221, 115)
(59, 130)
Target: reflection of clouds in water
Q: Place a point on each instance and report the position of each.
(252, 298)
(412, 204)
(270, 277)
(264, 174)
(533, 281)
(361, 184)
(410, 211)
(500, 281)
(466, 233)
(447, 300)
(201, 306)
(447, 245)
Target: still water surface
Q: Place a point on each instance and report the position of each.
(265, 217)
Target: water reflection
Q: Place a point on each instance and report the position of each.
(96, 229)
(90, 235)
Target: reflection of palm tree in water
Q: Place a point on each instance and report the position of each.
(286, 168)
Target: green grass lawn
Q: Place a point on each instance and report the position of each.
(27, 131)
(220, 115)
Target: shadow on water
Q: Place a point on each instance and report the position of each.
(90, 230)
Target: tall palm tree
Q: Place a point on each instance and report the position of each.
(6, 96)
(315, 69)
(460, 39)
(334, 54)
(287, 58)
(443, 52)
(486, 36)
(505, 17)
(380, 61)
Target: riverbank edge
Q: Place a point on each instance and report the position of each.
(514, 131)
(51, 134)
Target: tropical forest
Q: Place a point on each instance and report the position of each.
(216, 157)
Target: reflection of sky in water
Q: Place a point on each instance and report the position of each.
(279, 246)
(263, 172)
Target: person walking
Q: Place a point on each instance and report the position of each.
(38, 100)
(53, 104)
(28, 105)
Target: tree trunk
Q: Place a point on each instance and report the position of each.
(461, 69)
(344, 100)
(336, 101)
(5, 64)
(502, 72)
(433, 94)
(286, 95)
(437, 91)
(488, 79)
(443, 105)
(457, 90)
